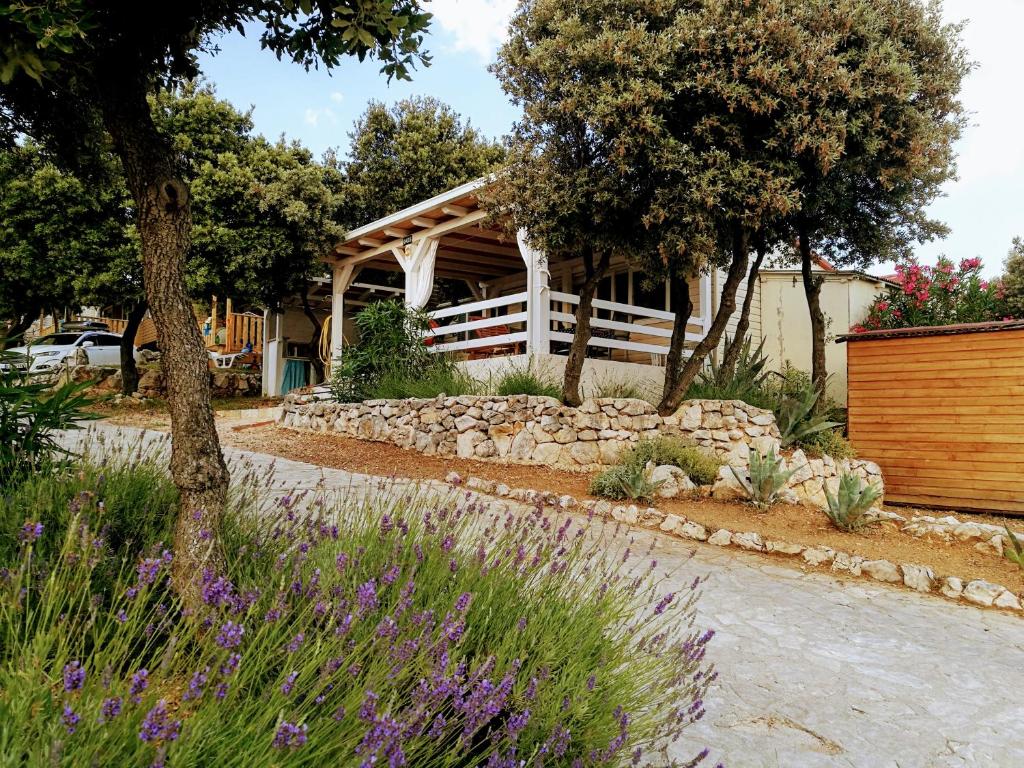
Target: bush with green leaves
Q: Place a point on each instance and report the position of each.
(431, 382)
(828, 442)
(625, 481)
(700, 466)
(848, 508)
(31, 411)
(764, 479)
(382, 628)
(623, 389)
(390, 356)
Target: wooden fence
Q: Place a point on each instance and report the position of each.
(942, 412)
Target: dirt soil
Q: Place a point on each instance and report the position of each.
(789, 523)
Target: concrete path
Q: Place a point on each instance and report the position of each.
(813, 671)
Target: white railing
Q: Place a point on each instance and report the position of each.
(660, 329)
(469, 329)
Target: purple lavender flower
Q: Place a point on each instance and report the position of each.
(517, 723)
(463, 602)
(74, 676)
(149, 569)
(391, 575)
(139, 683)
(366, 596)
(216, 590)
(158, 726)
(664, 603)
(30, 532)
(70, 718)
(221, 692)
(290, 736)
(122, 616)
(339, 714)
(341, 561)
(521, 624)
(289, 683)
(196, 684)
(230, 664)
(230, 635)
(110, 708)
(296, 642)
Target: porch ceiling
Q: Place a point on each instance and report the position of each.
(467, 247)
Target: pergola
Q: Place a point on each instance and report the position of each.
(513, 307)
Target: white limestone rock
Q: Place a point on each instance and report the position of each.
(749, 540)
(692, 530)
(881, 570)
(981, 592)
(952, 587)
(918, 577)
(671, 523)
(721, 538)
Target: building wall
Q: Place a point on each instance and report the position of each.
(786, 325)
(741, 293)
(943, 416)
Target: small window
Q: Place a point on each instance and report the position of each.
(647, 293)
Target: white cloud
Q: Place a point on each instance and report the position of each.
(478, 26)
(337, 97)
(326, 115)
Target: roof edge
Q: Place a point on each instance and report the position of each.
(933, 330)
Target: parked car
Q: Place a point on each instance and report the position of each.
(48, 353)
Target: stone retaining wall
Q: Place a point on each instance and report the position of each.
(540, 430)
(152, 382)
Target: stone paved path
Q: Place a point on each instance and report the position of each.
(814, 671)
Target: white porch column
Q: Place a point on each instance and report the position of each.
(418, 264)
(341, 280)
(705, 302)
(273, 353)
(538, 299)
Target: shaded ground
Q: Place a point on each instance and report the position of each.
(789, 523)
(814, 672)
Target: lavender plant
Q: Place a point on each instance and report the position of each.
(390, 628)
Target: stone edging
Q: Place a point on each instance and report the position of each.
(919, 578)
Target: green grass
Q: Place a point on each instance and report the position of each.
(525, 380)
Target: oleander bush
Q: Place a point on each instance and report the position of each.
(387, 628)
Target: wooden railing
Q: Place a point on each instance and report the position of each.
(644, 330)
(475, 325)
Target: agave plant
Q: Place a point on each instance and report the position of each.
(766, 478)
(636, 482)
(1014, 551)
(796, 418)
(848, 509)
(738, 382)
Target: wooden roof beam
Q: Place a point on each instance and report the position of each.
(436, 231)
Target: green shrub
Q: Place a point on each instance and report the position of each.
(395, 629)
(828, 442)
(30, 413)
(526, 380)
(797, 419)
(701, 467)
(848, 508)
(391, 357)
(765, 478)
(621, 389)
(624, 481)
(745, 382)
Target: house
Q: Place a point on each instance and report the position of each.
(495, 302)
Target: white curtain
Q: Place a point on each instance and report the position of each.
(419, 272)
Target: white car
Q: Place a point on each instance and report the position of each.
(48, 353)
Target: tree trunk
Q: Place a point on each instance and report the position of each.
(581, 334)
(15, 333)
(314, 341)
(682, 306)
(732, 352)
(812, 290)
(129, 373)
(164, 222)
(727, 305)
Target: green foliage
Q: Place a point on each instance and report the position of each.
(1013, 551)
(622, 389)
(745, 382)
(849, 507)
(409, 152)
(1011, 285)
(624, 481)
(427, 594)
(765, 480)
(797, 419)
(30, 413)
(701, 467)
(527, 380)
(390, 355)
(828, 442)
(437, 379)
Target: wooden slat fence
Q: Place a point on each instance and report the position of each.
(943, 414)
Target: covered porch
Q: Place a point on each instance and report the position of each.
(492, 298)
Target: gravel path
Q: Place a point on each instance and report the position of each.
(813, 671)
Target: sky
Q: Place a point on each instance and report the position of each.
(984, 208)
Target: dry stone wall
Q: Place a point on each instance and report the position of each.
(540, 430)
